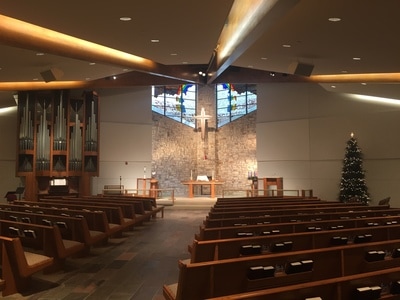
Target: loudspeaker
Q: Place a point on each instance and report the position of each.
(51, 75)
(301, 69)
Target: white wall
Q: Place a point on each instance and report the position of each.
(125, 137)
(8, 148)
(302, 132)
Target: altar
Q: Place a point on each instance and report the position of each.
(192, 183)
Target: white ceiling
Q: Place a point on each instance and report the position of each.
(189, 32)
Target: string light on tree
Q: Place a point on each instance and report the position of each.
(352, 184)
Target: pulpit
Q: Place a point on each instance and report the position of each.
(153, 187)
(272, 181)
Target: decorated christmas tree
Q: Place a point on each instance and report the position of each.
(352, 185)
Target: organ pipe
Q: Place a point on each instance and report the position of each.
(75, 155)
(43, 142)
(91, 131)
(60, 127)
(26, 128)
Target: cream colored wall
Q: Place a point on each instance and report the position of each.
(302, 131)
(125, 137)
(8, 148)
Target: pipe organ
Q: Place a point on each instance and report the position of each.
(58, 137)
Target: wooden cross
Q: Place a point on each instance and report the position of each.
(202, 118)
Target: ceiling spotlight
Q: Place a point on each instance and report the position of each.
(272, 74)
(114, 77)
(334, 19)
(202, 73)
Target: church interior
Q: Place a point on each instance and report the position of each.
(182, 106)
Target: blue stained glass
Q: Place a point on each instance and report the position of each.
(234, 101)
(177, 102)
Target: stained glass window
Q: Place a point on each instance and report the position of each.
(234, 101)
(177, 102)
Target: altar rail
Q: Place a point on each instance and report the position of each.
(232, 193)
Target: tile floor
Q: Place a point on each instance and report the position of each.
(133, 267)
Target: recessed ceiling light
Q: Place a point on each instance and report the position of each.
(333, 86)
(92, 63)
(264, 58)
(35, 79)
(334, 19)
(286, 46)
(125, 70)
(125, 19)
(155, 41)
(174, 54)
(250, 66)
(185, 62)
(356, 58)
(363, 83)
(40, 54)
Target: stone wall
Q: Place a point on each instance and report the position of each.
(227, 153)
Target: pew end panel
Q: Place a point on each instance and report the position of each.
(18, 265)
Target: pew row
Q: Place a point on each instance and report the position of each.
(113, 212)
(262, 199)
(280, 210)
(382, 284)
(239, 221)
(271, 243)
(97, 220)
(73, 228)
(43, 239)
(291, 227)
(146, 205)
(129, 215)
(274, 206)
(233, 276)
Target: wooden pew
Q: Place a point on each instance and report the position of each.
(132, 209)
(383, 282)
(279, 210)
(291, 227)
(232, 276)
(97, 220)
(143, 205)
(256, 245)
(270, 206)
(19, 265)
(266, 198)
(70, 227)
(126, 217)
(114, 213)
(212, 223)
(45, 239)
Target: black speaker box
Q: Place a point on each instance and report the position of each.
(302, 69)
(51, 74)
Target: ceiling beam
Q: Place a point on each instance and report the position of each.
(246, 22)
(24, 35)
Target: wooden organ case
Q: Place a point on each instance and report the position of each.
(58, 141)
